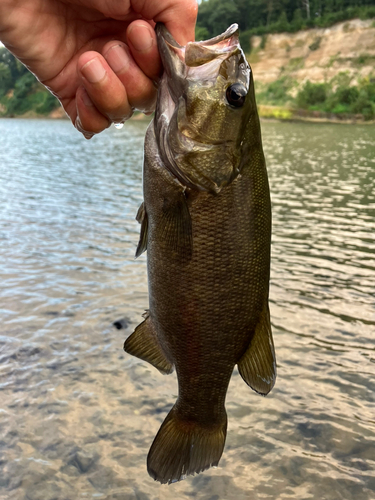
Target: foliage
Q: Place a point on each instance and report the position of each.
(282, 22)
(5, 79)
(275, 112)
(316, 44)
(277, 92)
(259, 17)
(20, 91)
(201, 33)
(15, 67)
(365, 59)
(263, 41)
(365, 103)
(218, 15)
(246, 41)
(339, 96)
(311, 94)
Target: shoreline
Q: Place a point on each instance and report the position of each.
(59, 114)
(266, 112)
(280, 113)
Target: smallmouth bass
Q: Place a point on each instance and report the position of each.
(206, 225)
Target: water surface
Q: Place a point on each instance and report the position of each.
(77, 414)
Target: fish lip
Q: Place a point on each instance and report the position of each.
(162, 32)
(177, 58)
(172, 54)
(228, 33)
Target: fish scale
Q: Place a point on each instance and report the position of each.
(207, 229)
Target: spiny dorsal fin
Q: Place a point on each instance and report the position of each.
(143, 344)
(258, 365)
(143, 220)
(176, 227)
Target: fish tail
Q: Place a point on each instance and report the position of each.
(183, 447)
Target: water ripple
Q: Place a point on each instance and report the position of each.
(77, 415)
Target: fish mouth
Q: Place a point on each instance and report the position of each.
(197, 61)
(177, 59)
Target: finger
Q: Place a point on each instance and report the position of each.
(140, 90)
(89, 120)
(179, 16)
(141, 38)
(104, 88)
(180, 20)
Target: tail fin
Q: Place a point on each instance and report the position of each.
(182, 447)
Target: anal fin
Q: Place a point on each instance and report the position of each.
(258, 365)
(143, 344)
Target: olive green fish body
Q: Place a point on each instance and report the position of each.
(207, 232)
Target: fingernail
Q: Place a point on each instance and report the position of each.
(117, 57)
(86, 98)
(78, 126)
(141, 38)
(93, 71)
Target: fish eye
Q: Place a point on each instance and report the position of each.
(236, 95)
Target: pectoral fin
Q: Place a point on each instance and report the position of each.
(258, 365)
(143, 220)
(143, 344)
(176, 227)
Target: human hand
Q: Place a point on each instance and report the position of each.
(99, 57)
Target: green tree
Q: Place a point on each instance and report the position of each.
(20, 103)
(282, 23)
(297, 22)
(364, 104)
(201, 33)
(204, 12)
(222, 16)
(270, 16)
(311, 94)
(16, 68)
(245, 10)
(48, 104)
(5, 79)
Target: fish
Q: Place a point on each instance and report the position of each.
(206, 225)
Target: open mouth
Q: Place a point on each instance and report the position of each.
(196, 53)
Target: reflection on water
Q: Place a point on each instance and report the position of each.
(77, 415)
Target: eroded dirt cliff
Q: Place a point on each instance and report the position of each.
(316, 54)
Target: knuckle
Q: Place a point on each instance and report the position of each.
(145, 98)
(121, 116)
(118, 109)
(192, 10)
(116, 105)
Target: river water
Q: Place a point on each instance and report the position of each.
(78, 415)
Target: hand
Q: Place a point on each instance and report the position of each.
(99, 57)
